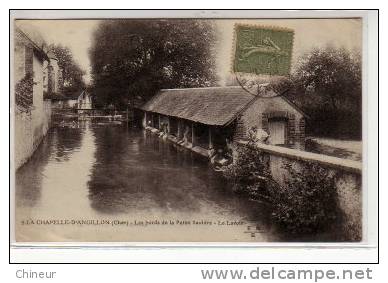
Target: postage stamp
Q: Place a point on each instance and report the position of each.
(263, 50)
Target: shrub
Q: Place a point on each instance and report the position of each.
(308, 201)
(249, 172)
(24, 93)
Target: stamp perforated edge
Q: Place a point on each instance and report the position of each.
(268, 27)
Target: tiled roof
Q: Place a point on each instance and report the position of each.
(61, 96)
(210, 105)
(32, 34)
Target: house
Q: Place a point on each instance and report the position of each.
(74, 100)
(32, 111)
(84, 101)
(209, 118)
(61, 101)
(52, 76)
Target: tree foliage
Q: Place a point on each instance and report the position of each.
(24, 93)
(328, 87)
(305, 203)
(333, 74)
(72, 74)
(308, 202)
(249, 173)
(132, 59)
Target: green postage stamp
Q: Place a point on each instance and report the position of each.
(263, 50)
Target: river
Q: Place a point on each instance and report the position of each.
(107, 182)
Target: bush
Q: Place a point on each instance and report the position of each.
(308, 201)
(305, 204)
(249, 173)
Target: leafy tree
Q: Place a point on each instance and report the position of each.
(72, 73)
(328, 87)
(333, 74)
(132, 59)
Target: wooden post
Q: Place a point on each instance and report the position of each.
(159, 122)
(179, 134)
(210, 138)
(192, 134)
(145, 123)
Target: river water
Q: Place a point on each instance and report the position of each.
(107, 182)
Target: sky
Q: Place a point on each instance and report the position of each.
(75, 34)
(308, 33)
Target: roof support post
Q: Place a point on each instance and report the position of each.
(145, 122)
(210, 138)
(159, 122)
(179, 133)
(193, 140)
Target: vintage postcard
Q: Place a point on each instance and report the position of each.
(187, 130)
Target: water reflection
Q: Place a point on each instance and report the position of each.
(96, 171)
(28, 179)
(140, 172)
(66, 142)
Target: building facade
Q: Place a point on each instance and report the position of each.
(52, 75)
(84, 101)
(32, 111)
(60, 101)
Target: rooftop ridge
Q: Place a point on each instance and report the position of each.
(196, 89)
(208, 87)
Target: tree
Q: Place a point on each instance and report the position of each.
(132, 59)
(328, 87)
(72, 74)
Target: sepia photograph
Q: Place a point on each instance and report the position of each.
(187, 130)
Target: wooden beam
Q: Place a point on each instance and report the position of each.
(192, 134)
(179, 133)
(145, 123)
(210, 138)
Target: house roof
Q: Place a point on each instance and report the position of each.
(33, 36)
(209, 105)
(296, 107)
(60, 96)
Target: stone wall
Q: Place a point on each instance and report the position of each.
(30, 128)
(20, 54)
(348, 176)
(31, 122)
(262, 109)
